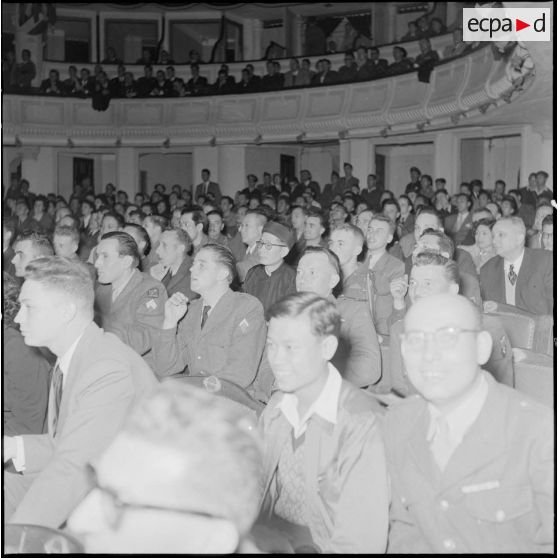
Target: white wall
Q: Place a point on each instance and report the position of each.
(320, 161)
(266, 158)
(167, 168)
(400, 158)
(503, 157)
(472, 159)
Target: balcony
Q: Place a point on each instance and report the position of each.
(400, 104)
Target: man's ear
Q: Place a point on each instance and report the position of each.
(69, 311)
(390, 238)
(284, 251)
(329, 346)
(334, 279)
(454, 288)
(484, 347)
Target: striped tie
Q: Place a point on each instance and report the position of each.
(57, 378)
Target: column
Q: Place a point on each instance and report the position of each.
(297, 36)
(39, 167)
(361, 159)
(10, 159)
(537, 153)
(257, 51)
(232, 168)
(446, 159)
(127, 171)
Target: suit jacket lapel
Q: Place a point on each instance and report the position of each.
(134, 281)
(525, 271)
(179, 275)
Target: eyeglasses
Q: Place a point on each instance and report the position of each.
(268, 245)
(114, 507)
(445, 338)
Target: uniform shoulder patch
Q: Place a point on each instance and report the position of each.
(244, 325)
(153, 293)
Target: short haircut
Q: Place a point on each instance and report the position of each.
(384, 219)
(136, 212)
(157, 221)
(548, 220)
(142, 233)
(486, 193)
(228, 199)
(116, 216)
(425, 210)
(198, 216)
(323, 315)
(428, 177)
(218, 442)
(40, 243)
(181, 237)
(215, 212)
(517, 222)
(331, 257)
(223, 256)
(391, 201)
(441, 180)
(70, 277)
(206, 170)
(406, 197)
(431, 258)
(487, 222)
(127, 246)
(355, 231)
(511, 201)
(315, 212)
(467, 197)
(67, 232)
(543, 173)
(445, 243)
(261, 216)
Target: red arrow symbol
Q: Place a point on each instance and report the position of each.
(519, 25)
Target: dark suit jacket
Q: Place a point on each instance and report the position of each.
(104, 380)
(212, 188)
(497, 487)
(465, 233)
(329, 78)
(534, 290)
(180, 281)
(230, 345)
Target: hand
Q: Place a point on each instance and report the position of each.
(175, 309)
(398, 288)
(10, 448)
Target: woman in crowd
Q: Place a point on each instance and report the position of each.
(482, 250)
(46, 222)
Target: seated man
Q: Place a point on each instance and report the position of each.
(65, 241)
(128, 302)
(519, 276)
(140, 235)
(216, 226)
(325, 482)
(187, 465)
(28, 247)
(251, 230)
(371, 280)
(470, 460)
(223, 332)
(94, 382)
(272, 279)
(433, 274)
(154, 225)
(173, 270)
(358, 354)
(193, 221)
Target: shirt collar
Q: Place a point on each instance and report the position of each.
(516, 263)
(325, 406)
(460, 419)
(64, 361)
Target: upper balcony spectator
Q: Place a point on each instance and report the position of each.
(164, 58)
(147, 82)
(224, 84)
(117, 83)
(423, 27)
(197, 85)
(325, 75)
(9, 70)
(378, 66)
(25, 71)
(87, 82)
(437, 27)
(401, 62)
(194, 57)
(349, 70)
(426, 60)
(364, 71)
(315, 39)
(162, 88)
(459, 46)
(331, 47)
(111, 58)
(52, 85)
(412, 32)
(274, 79)
(72, 85)
(130, 88)
(146, 57)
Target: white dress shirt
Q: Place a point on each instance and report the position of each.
(510, 289)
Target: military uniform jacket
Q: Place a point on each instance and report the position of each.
(358, 353)
(346, 482)
(139, 308)
(105, 379)
(229, 346)
(180, 281)
(496, 492)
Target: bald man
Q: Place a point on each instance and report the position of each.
(470, 460)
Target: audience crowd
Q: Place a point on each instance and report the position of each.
(350, 321)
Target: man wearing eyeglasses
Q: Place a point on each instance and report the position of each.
(470, 460)
(182, 476)
(272, 278)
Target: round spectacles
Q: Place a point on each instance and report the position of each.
(268, 245)
(445, 338)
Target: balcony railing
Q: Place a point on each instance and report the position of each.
(397, 104)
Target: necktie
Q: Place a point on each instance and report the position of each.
(57, 394)
(512, 275)
(441, 445)
(204, 315)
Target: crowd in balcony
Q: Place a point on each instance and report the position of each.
(284, 300)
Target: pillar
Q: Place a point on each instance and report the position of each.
(297, 36)
(360, 153)
(127, 171)
(39, 167)
(231, 168)
(537, 153)
(446, 159)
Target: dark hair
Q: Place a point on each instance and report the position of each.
(430, 211)
(10, 291)
(116, 216)
(548, 220)
(127, 246)
(198, 215)
(331, 257)
(483, 222)
(323, 315)
(182, 238)
(315, 212)
(432, 258)
(68, 232)
(445, 242)
(223, 256)
(158, 220)
(142, 233)
(41, 243)
(428, 177)
(229, 199)
(512, 202)
(391, 201)
(384, 219)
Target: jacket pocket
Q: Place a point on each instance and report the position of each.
(500, 505)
